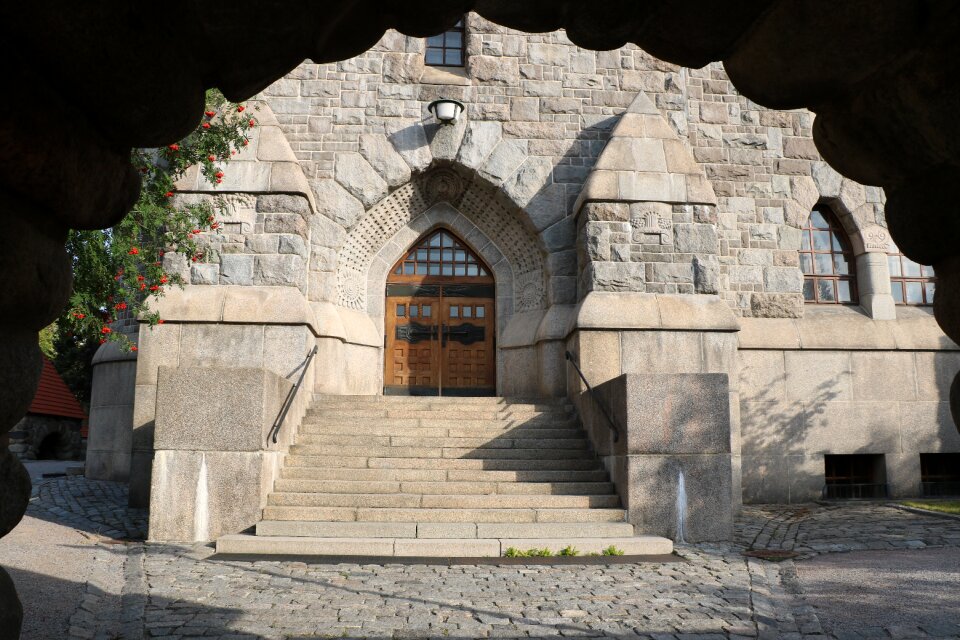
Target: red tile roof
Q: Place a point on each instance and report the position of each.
(53, 397)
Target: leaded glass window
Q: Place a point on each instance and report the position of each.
(441, 254)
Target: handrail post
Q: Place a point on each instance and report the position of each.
(603, 409)
(291, 396)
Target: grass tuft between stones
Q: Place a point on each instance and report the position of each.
(569, 550)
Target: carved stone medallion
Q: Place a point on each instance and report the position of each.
(443, 185)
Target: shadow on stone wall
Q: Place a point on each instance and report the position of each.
(778, 463)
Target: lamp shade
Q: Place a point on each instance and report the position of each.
(446, 110)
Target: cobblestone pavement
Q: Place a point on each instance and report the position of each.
(810, 530)
(88, 505)
(164, 591)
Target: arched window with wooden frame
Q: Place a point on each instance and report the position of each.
(447, 49)
(827, 262)
(910, 283)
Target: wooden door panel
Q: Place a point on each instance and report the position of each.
(467, 344)
(411, 330)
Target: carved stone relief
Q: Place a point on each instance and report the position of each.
(651, 223)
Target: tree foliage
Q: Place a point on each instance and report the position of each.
(116, 271)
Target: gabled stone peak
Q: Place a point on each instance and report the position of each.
(646, 161)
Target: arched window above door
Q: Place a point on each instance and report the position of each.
(826, 259)
(441, 254)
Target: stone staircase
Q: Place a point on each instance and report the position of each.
(443, 477)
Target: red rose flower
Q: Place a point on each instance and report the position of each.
(219, 174)
(219, 180)
(79, 316)
(160, 321)
(241, 108)
(195, 231)
(209, 114)
(252, 122)
(211, 157)
(174, 147)
(245, 142)
(133, 348)
(163, 280)
(133, 251)
(106, 331)
(206, 125)
(168, 194)
(153, 287)
(103, 340)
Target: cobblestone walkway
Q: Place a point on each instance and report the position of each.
(810, 530)
(88, 505)
(179, 592)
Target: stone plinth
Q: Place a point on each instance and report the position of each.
(672, 425)
(214, 461)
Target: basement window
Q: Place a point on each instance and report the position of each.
(939, 474)
(855, 477)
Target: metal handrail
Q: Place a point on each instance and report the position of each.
(603, 409)
(291, 396)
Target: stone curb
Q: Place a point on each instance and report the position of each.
(924, 512)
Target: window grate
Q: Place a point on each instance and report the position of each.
(869, 491)
(940, 489)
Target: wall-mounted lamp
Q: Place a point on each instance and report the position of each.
(446, 110)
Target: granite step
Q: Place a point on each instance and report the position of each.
(451, 501)
(518, 478)
(465, 464)
(284, 485)
(381, 429)
(439, 401)
(450, 514)
(435, 548)
(507, 441)
(436, 530)
(360, 425)
(431, 453)
(459, 413)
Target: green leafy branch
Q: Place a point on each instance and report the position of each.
(117, 270)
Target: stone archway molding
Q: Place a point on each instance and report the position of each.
(483, 216)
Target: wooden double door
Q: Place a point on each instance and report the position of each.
(440, 329)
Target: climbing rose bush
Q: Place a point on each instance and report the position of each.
(117, 270)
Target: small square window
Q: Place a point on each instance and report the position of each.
(446, 49)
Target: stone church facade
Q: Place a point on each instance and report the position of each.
(737, 304)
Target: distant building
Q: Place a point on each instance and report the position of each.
(55, 425)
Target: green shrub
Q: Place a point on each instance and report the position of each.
(569, 550)
(612, 551)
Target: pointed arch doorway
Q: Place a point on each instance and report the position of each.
(440, 321)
